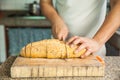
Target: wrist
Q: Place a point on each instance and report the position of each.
(98, 40)
(55, 19)
(57, 22)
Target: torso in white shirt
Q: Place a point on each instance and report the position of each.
(82, 17)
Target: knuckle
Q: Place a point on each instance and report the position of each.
(75, 36)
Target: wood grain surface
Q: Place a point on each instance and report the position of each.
(41, 67)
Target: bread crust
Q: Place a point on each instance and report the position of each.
(50, 48)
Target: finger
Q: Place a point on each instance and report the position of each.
(87, 53)
(72, 39)
(60, 37)
(77, 41)
(65, 36)
(81, 47)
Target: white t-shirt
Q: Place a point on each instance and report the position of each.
(82, 17)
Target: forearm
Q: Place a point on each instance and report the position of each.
(49, 11)
(110, 25)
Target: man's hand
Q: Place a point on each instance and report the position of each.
(90, 45)
(59, 30)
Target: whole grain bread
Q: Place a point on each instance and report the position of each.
(50, 48)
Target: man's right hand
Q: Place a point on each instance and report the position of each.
(60, 30)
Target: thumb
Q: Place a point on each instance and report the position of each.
(64, 37)
(60, 37)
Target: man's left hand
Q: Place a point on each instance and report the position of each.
(89, 44)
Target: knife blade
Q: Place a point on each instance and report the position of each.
(65, 50)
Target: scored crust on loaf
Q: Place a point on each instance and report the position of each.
(39, 50)
(34, 49)
(55, 49)
(50, 48)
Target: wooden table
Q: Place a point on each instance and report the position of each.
(112, 71)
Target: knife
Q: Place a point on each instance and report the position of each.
(65, 49)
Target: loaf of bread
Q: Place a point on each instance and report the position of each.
(50, 48)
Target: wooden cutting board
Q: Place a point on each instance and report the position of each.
(40, 67)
